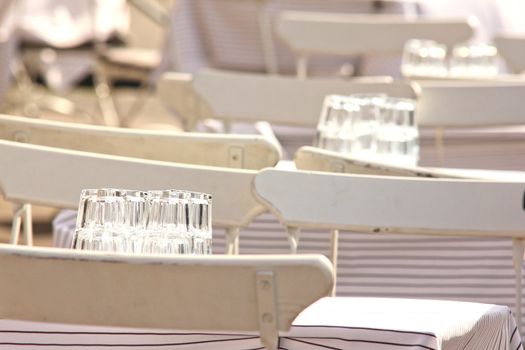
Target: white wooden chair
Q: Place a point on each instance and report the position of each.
(379, 204)
(449, 104)
(512, 49)
(250, 293)
(308, 33)
(230, 96)
(228, 151)
(222, 150)
(318, 159)
(54, 177)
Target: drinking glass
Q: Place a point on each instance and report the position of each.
(135, 216)
(334, 130)
(476, 60)
(100, 220)
(398, 137)
(200, 222)
(167, 224)
(424, 58)
(366, 123)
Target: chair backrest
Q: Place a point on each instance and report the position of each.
(512, 49)
(213, 293)
(393, 204)
(308, 33)
(466, 104)
(222, 150)
(54, 177)
(254, 97)
(318, 159)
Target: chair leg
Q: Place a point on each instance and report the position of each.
(293, 238)
(232, 240)
(334, 245)
(27, 219)
(22, 216)
(518, 248)
(302, 67)
(16, 224)
(110, 116)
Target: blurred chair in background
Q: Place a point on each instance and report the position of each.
(130, 64)
(309, 34)
(239, 35)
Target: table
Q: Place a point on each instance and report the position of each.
(330, 323)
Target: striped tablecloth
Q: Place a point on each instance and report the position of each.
(330, 323)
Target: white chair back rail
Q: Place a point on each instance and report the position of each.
(318, 159)
(465, 104)
(213, 293)
(353, 34)
(254, 97)
(375, 204)
(223, 150)
(55, 177)
(394, 204)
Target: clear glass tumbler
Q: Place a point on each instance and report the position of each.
(100, 221)
(200, 222)
(167, 224)
(334, 130)
(366, 123)
(424, 58)
(398, 136)
(474, 60)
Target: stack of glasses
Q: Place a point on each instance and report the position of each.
(370, 126)
(153, 222)
(428, 58)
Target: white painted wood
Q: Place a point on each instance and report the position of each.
(308, 33)
(54, 177)
(209, 293)
(233, 96)
(394, 204)
(464, 104)
(223, 150)
(317, 159)
(512, 49)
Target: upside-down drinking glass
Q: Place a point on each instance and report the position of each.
(167, 225)
(476, 60)
(334, 130)
(424, 58)
(159, 222)
(100, 220)
(366, 123)
(398, 137)
(200, 222)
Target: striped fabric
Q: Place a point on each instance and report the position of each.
(330, 323)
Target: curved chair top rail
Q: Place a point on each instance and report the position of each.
(223, 150)
(512, 49)
(54, 177)
(257, 97)
(466, 104)
(317, 159)
(394, 204)
(213, 293)
(351, 34)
